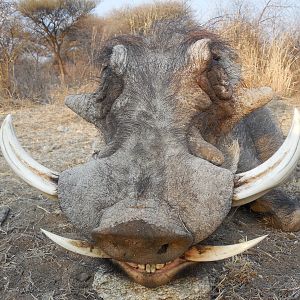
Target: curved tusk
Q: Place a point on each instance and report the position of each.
(255, 183)
(76, 246)
(22, 164)
(213, 253)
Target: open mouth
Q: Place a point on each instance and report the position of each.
(152, 275)
(153, 268)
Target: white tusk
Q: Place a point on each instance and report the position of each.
(213, 253)
(255, 183)
(22, 164)
(76, 246)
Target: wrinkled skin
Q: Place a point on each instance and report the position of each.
(164, 181)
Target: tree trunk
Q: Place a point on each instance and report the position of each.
(5, 80)
(61, 66)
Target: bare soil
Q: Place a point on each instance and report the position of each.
(32, 267)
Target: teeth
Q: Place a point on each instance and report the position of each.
(149, 268)
(159, 266)
(153, 268)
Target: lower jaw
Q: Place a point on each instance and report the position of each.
(157, 278)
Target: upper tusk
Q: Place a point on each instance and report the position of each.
(76, 246)
(22, 164)
(213, 253)
(255, 183)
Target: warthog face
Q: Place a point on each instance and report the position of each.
(166, 179)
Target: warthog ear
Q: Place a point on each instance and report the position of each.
(198, 55)
(220, 118)
(95, 107)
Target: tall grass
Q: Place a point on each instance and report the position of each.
(266, 61)
(139, 19)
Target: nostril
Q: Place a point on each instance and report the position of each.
(163, 249)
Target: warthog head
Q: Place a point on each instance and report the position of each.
(165, 181)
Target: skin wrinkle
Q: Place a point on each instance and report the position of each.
(181, 219)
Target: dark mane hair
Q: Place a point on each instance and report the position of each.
(180, 33)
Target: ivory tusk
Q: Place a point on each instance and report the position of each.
(24, 165)
(76, 246)
(255, 183)
(213, 253)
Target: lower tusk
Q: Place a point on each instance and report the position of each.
(197, 253)
(255, 183)
(76, 246)
(22, 164)
(213, 253)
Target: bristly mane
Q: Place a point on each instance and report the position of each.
(179, 33)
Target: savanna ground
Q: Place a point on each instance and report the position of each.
(32, 267)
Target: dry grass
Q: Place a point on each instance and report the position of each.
(134, 20)
(61, 92)
(265, 61)
(57, 95)
(11, 103)
(238, 271)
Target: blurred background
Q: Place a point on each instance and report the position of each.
(48, 49)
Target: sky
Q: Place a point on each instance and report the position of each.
(203, 9)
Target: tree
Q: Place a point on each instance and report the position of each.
(12, 44)
(82, 46)
(52, 20)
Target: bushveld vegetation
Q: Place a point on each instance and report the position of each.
(267, 43)
(49, 48)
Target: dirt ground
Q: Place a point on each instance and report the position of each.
(32, 267)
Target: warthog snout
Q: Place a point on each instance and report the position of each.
(130, 232)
